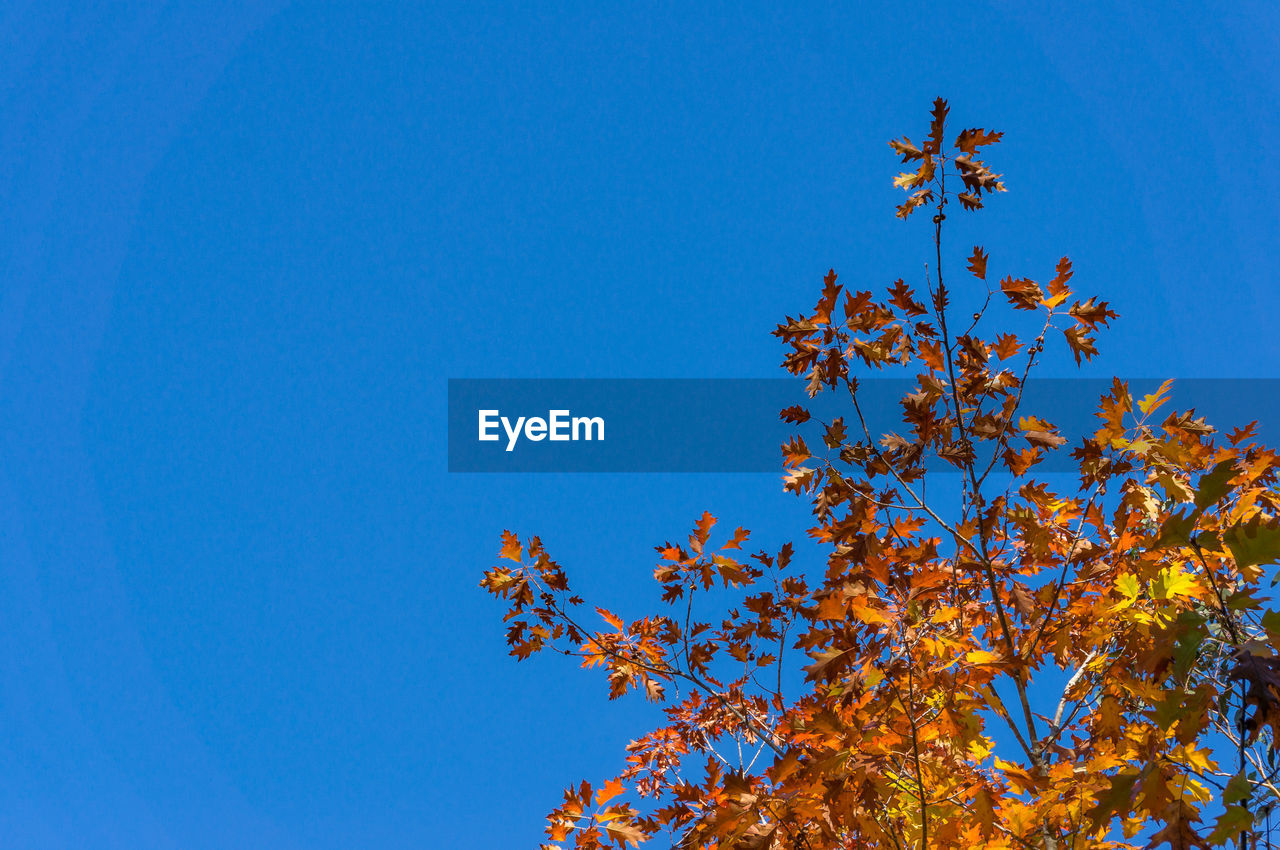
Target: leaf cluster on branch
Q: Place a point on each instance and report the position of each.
(1014, 668)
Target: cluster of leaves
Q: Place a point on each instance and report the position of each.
(1016, 668)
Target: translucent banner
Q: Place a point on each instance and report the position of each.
(732, 425)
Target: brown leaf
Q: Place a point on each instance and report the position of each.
(978, 263)
(1044, 439)
(1023, 601)
(1023, 293)
(970, 140)
(936, 127)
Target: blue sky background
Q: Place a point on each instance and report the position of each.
(245, 244)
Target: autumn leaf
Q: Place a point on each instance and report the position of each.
(794, 414)
(904, 299)
(936, 127)
(1058, 285)
(1082, 345)
(1231, 823)
(970, 140)
(1023, 293)
(908, 151)
(611, 618)
(1177, 830)
(978, 263)
(795, 452)
(511, 549)
(1254, 543)
(611, 789)
(1023, 602)
(1007, 346)
(622, 831)
(1116, 800)
(701, 531)
(1091, 313)
(1171, 583)
(1215, 484)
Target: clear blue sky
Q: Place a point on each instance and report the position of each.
(245, 244)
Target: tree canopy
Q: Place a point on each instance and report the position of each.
(1013, 668)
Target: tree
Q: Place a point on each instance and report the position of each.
(1019, 668)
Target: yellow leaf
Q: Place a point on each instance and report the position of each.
(945, 614)
(1128, 586)
(1156, 399)
(864, 612)
(1054, 300)
(1170, 583)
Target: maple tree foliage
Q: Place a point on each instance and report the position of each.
(1017, 668)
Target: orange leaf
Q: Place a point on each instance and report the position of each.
(611, 618)
(611, 789)
(510, 546)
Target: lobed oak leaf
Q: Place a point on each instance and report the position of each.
(795, 452)
(794, 414)
(1115, 801)
(611, 789)
(827, 663)
(735, 542)
(1023, 600)
(1023, 293)
(937, 126)
(701, 531)
(976, 177)
(984, 810)
(835, 434)
(857, 304)
(1053, 300)
(510, 547)
(1177, 831)
(1058, 285)
(611, 618)
(625, 831)
(1239, 435)
(827, 303)
(903, 298)
(1215, 484)
(931, 354)
(970, 140)
(978, 263)
(1155, 400)
(1044, 439)
(1187, 422)
(1232, 823)
(1092, 313)
(1007, 346)
(909, 206)
(1253, 543)
(906, 149)
(860, 610)
(799, 480)
(1171, 583)
(910, 179)
(1081, 343)
(982, 656)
